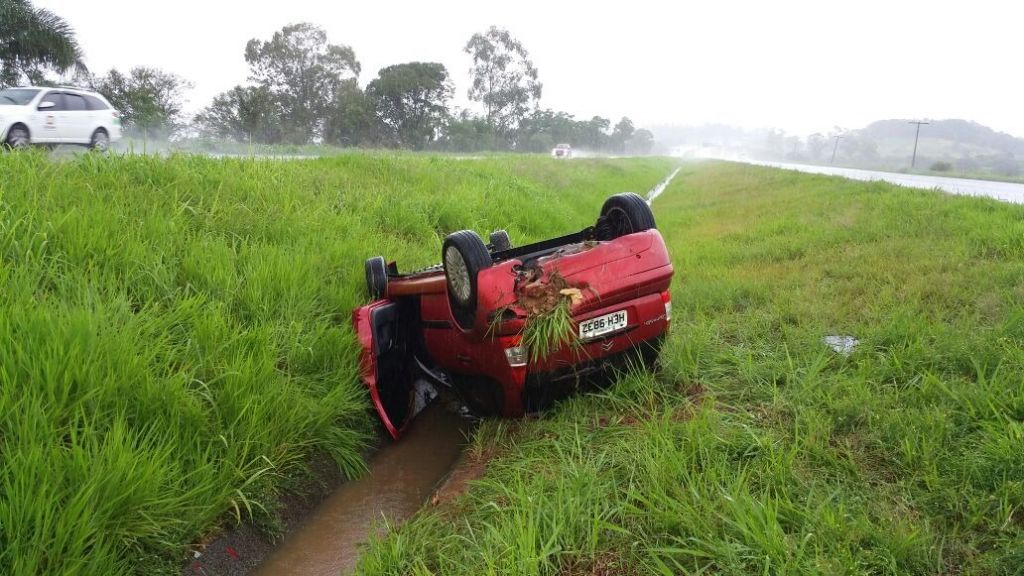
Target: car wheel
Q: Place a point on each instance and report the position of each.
(463, 255)
(623, 214)
(500, 241)
(18, 138)
(100, 141)
(376, 277)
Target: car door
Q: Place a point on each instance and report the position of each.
(386, 364)
(79, 119)
(48, 118)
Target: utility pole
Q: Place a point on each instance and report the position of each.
(834, 148)
(917, 135)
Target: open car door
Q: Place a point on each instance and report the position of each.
(386, 363)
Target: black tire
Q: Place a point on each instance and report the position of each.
(18, 137)
(376, 277)
(464, 255)
(100, 141)
(623, 214)
(500, 241)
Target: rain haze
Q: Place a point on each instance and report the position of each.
(800, 66)
(460, 287)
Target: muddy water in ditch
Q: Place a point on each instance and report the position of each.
(401, 478)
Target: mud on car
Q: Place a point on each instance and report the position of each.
(460, 325)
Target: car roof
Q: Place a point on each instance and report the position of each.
(73, 89)
(60, 88)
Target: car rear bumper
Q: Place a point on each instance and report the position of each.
(647, 319)
(545, 388)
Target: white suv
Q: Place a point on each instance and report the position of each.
(51, 116)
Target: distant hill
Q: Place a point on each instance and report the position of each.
(953, 138)
(951, 145)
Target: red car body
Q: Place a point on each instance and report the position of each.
(412, 332)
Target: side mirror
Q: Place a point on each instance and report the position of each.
(46, 104)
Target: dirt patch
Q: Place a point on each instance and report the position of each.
(471, 466)
(605, 564)
(536, 295)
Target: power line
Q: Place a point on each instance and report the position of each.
(917, 135)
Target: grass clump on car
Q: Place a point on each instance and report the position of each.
(548, 305)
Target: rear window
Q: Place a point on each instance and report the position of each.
(74, 102)
(95, 103)
(17, 96)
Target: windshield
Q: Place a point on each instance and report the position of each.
(17, 96)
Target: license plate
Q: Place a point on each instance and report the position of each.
(602, 325)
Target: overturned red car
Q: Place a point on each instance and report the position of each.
(459, 325)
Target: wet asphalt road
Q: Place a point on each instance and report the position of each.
(1005, 191)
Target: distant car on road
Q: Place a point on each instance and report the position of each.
(561, 151)
(63, 115)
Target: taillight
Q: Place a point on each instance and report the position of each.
(666, 297)
(516, 355)
(515, 352)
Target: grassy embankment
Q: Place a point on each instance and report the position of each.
(174, 333)
(757, 449)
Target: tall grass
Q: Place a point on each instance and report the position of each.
(757, 449)
(174, 332)
(547, 331)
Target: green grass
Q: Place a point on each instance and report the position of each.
(756, 449)
(174, 332)
(546, 332)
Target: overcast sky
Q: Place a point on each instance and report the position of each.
(801, 66)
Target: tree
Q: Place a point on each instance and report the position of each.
(303, 73)
(34, 41)
(149, 100)
(242, 113)
(641, 142)
(469, 133)
(859, 148)
(504, 78)
(794, 148)
(621, 134)
(543, 129)
(352, 120)
(816, 146)
(594, 133)
(774, 143)
(412, 101)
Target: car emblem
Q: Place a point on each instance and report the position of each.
(606, 346)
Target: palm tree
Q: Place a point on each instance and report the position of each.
(34, 40)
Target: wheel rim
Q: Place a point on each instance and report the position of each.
(619, 222)
(18, 138)
(100, 142)
(458, 274)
